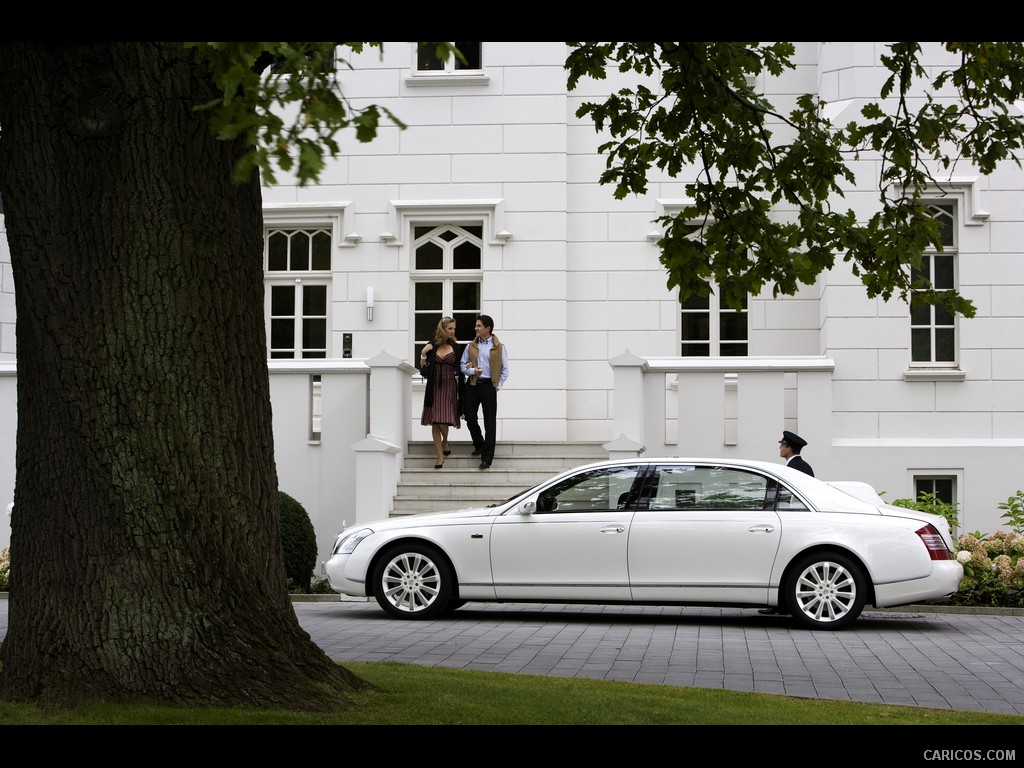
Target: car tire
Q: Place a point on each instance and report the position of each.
(412, 581)
(825, 590)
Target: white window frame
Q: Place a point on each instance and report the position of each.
(955, 475)
(297, 285)
(404, 215)
(714, 311)
(952, 252)
(447, 76)
(447, 276)
(965, 194)
(306, 216)
(297, 280)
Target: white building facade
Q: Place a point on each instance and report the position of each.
(489, 202)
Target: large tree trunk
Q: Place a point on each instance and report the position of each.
(146, 558)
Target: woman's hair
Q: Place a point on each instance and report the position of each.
(440, 337)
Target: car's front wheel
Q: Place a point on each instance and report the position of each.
(825, 591)
(412, 581)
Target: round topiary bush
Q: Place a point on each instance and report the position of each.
(298, 543)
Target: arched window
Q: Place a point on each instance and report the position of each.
(446, 274)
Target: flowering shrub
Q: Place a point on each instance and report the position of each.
(5, 567)
(993, 569)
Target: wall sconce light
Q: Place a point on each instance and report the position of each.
(387, 237)
(504, 236)
(654, 236)
(353, 237)
(369, 303)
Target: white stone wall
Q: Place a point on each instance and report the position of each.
(7, 313)
(580, 283)
(8, 385)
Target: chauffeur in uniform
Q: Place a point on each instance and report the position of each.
(789, 449)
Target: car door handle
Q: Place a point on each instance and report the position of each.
(613, 529)
(762, 528)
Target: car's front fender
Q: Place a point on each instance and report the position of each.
(465, 544)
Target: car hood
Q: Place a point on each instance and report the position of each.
(431, 518)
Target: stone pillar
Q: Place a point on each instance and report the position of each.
(628, 397)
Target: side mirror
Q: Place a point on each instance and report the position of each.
(527, 508)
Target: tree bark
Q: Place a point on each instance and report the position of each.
(146, 555)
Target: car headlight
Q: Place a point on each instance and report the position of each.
(347, 542)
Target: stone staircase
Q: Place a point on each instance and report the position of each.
(461, 483)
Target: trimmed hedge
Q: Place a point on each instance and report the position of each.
(298, 543)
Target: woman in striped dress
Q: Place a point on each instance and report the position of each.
(439, 365)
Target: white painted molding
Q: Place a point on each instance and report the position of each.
(967, 189)
(420, 81)
(934, 374)
(300, 215)
(401, 213)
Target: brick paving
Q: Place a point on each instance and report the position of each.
(924, 658)
(940, 660)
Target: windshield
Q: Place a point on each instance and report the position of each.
(506, 501)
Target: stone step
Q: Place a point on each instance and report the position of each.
(528, 455)
(517, 450)
(548, 465)
(448, 483)
(461, 483)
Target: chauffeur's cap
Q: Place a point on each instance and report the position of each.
(793, 440)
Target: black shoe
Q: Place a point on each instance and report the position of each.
(438, 466)
(485, 465)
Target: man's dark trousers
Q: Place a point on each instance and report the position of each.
(485, 396)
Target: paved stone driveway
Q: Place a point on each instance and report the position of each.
(927, 659)
(940, 660)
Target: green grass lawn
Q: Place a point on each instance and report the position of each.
(408, 695)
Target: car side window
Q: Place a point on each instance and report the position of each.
(687, 486)
(783, 498)
(597, 490)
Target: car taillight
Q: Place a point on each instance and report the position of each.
(933, 543)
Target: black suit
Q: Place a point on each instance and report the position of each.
(798, 463)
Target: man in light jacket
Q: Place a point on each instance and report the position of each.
(485, 364)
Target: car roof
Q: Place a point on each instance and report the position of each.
(823, 495)
(766, 466)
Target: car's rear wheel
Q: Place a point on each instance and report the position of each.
(825, 591)
(412, 581)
